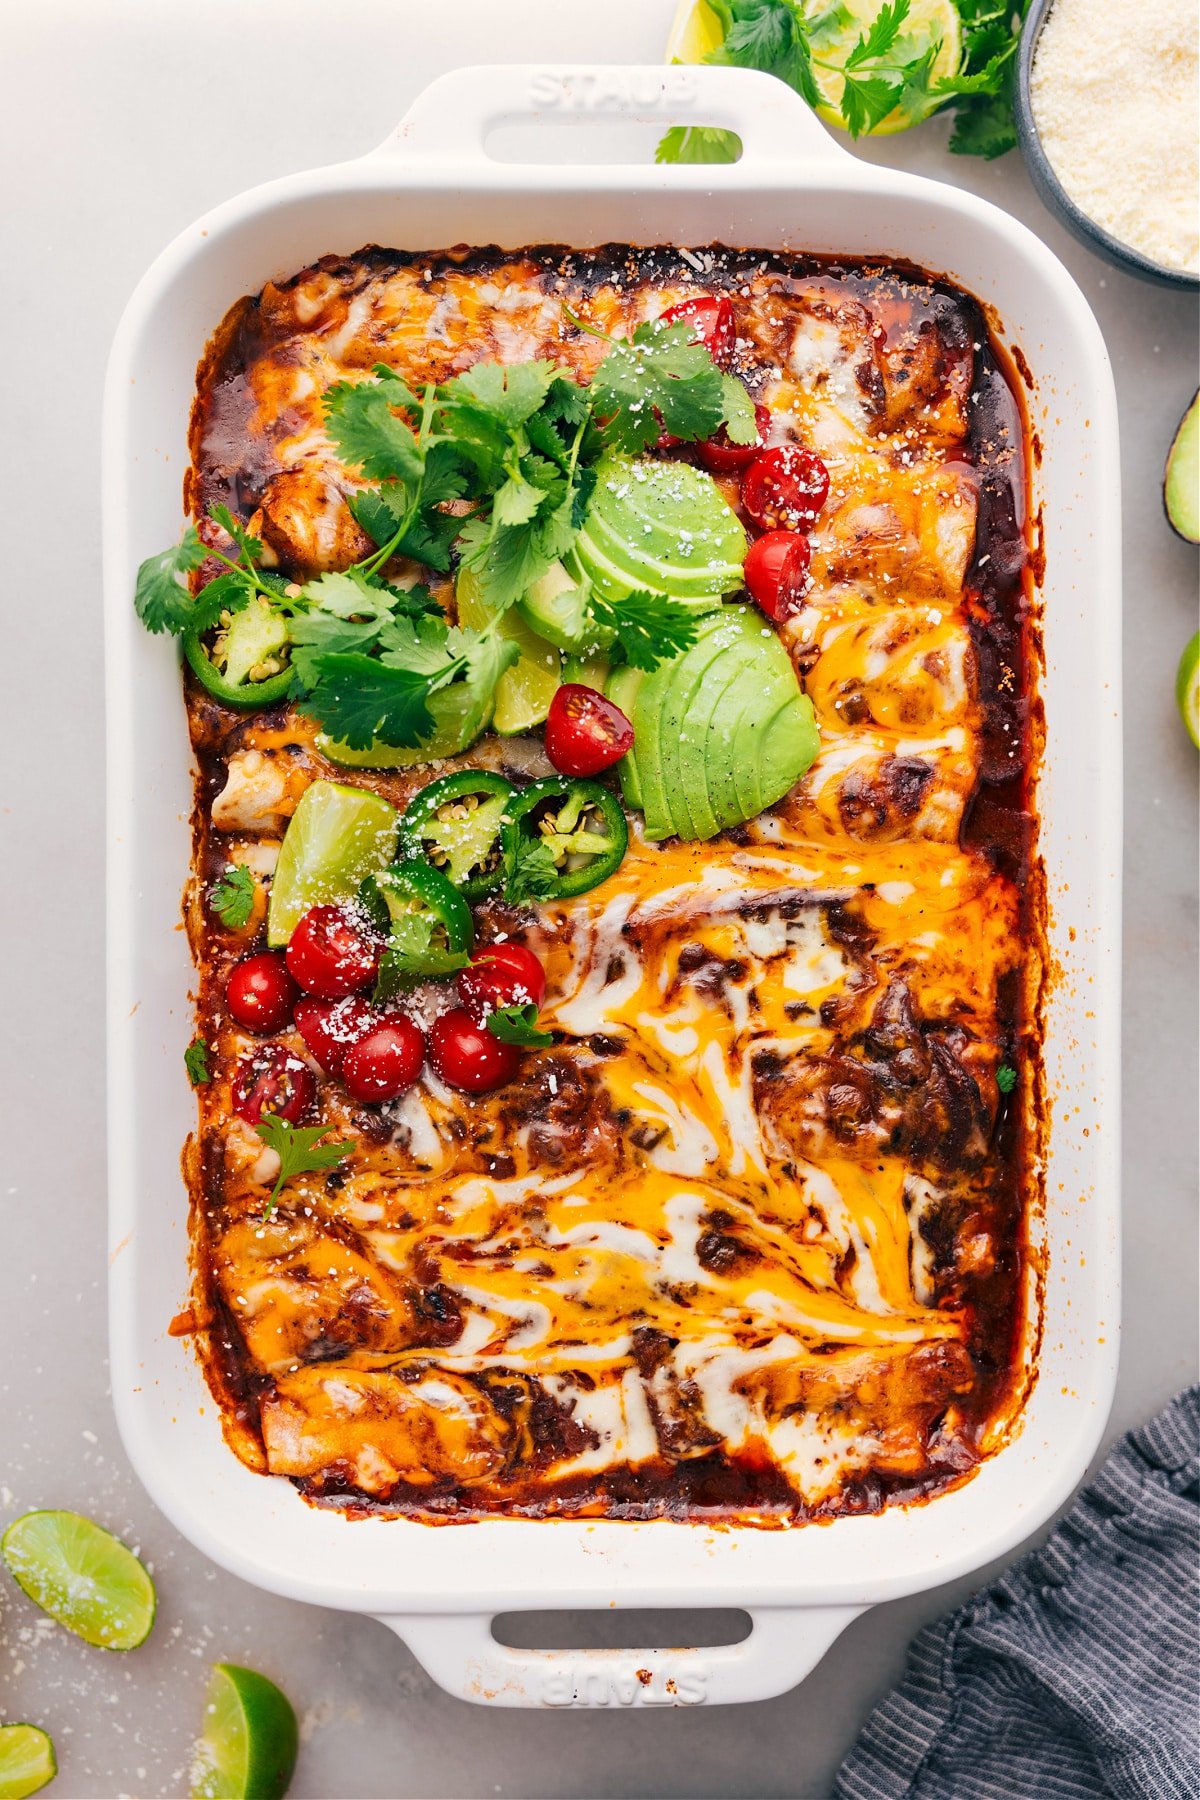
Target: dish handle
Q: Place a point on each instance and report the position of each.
(461, 1654)
(450, 120)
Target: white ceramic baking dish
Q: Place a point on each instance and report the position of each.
(431, 184)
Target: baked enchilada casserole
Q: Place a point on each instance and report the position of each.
(616, 906)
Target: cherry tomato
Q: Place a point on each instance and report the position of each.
(384, 1062)
(712, 319)
(467, 1056)
(273, 1080)
(785, 486)
(331, 954)
(330, 1027)
(585, 732)
(502, 975)
(776, 565)
(722, 456)
(260, 994)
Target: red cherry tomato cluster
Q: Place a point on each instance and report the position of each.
(784, 486)
(376, 1053)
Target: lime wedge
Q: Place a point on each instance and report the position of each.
(834, 37)
(248, 1749)
(526, 688)
(82, 1576)
(336, 836)
(1187, 689)
(26, 1761)
(695, 32)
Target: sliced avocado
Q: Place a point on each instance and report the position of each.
(786, 748)
(257, 634)
(591, 670)
(722, 731)
(1181, 481)
(684, 775)
(556, 608)
(708, 736)
(622, 688)
(647, 706)
(662, 526)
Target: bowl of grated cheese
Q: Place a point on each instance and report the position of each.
(1109, 122)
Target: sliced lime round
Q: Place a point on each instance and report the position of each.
(1187, 689)
(26, 1761)
(336, 836)
(929, 23)
(248, 1748)
(82, 1576)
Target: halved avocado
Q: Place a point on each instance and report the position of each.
(1181, 480)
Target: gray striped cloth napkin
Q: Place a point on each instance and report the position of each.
(1074, 1676)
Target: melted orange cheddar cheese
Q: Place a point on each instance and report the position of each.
(749, 1241)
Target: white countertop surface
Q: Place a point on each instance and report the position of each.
(121, 124)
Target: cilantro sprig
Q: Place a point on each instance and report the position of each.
(498, 462)
(517, 1024)
(195, 1061)
(232, 897)
(300, 1152)
(887, 68)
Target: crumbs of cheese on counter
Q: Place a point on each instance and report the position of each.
(1114, 96)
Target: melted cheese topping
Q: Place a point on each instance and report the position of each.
(724, 1219)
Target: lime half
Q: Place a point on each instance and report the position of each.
(526, 688)
(1187, 689)
(248, 1749)
(695, 32)
(82, 1576)
(833, 32)
(26, 1761)
(336, 836)
(929, 22)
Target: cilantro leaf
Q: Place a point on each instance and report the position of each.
(740, 423)
(518, 1025)
(299, 1150)
(195, 1061)
(508, 392)
(658, 379)
(426, 646)
(232, 897)
(768, 35)
(370, 434)
(1006, 1078)
(249, 548)
(698, 144)
(411, 955)
(866, 100)
(533, 874)
(350, 594)
(319, 634)
(984, 127)
(650, 628)
(160, 599)
(883, 32)
(357, 698)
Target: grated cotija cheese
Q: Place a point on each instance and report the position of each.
(1114, 95)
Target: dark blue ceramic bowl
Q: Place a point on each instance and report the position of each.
(1051, 189)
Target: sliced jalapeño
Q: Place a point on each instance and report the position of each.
(455, 824)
